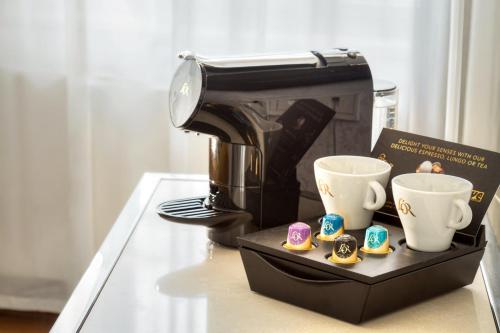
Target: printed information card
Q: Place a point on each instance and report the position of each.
(407, 152)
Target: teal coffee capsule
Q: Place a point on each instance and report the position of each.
(376, 240)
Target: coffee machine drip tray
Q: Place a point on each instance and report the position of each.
(194, 211)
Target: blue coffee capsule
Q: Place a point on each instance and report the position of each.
(332, 226)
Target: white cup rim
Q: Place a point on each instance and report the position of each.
(387, 166)
(431, 175)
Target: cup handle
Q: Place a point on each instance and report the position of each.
(465, 216)
(379, 191)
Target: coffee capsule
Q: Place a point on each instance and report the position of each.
(437, 168)
(332, 226)
(376, 240)
(424, 167)
(345, 250)
(299, 237)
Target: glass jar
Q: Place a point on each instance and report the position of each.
(385, 107)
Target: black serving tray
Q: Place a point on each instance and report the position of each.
(378, 284)
(355, 293)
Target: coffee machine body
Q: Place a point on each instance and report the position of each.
(269, 118)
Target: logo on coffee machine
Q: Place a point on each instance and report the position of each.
(324, 188)
(185, 89)
(404, 207)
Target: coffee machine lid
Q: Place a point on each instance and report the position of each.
(189, 84)
(185, 91)
(260, 60)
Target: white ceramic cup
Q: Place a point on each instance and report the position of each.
(431, 208)
(352, 186)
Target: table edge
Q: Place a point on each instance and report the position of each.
(85, 294)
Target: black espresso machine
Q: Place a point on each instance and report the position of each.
(269, 117)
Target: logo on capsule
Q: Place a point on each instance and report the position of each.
(328, 226)
(296, 236)
(344, 249)
(373, 241)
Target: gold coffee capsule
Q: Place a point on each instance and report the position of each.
(345, 250)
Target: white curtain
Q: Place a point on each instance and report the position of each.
(480, 124)
(83, 105)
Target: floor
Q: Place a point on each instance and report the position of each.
(26, 322)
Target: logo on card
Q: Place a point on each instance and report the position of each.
(477, 196)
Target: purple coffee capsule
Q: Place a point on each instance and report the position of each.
(299, 237)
